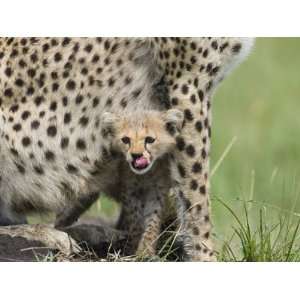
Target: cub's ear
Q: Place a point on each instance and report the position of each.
(108, 124)
(174, 120)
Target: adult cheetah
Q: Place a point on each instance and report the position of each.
(53, 91)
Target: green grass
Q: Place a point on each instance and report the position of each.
(258, 105)
(255, 189)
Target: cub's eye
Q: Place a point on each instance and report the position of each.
(149, 140)
(125, 140)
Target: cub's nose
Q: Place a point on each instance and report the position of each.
(135, 156)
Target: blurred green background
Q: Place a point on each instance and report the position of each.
(258, 108)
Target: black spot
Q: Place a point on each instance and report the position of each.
(57, 57)
(236, 48)
(185, 89)
(53, 106)
(109, 102)
(198, 208)
(71, 169)
(19, 82)
(65, 101)
(80, 144)
(188, 115)
(31, 72)
(49, 155)
(196, 231)
(206, 235)
(123, 103)
(198, 126)
(198, 247)
(223, 46)
(14, 108)
(20, 168)
(194, 185)
(84, 71)
(39, 170)
(83, 121)
(190, 150)
(203, 153)
(136, 93)
(67, 118)
(197, 167)
(193, 98)
(214, 71)
(107, 60)
(209, 85)
(30, 90)
(26, 141)
(55, 87)
(205, 53)
(22, 63)
(78, 99)
(8, 92)
(174, 101)
(38, 100)
(201, 95)
(202, 189)
(8, 72)
(25, 115)
(208, 67)
(88, 48)
(187, 203)
(95, 58)
(111, 82)
(206, 123)
(14, 152)
(64, 142)
(181, 170)
(51, 131)
(214, 45)
(34, 57)
(128, 80)
(65, 41)
(17, 127)
(71, 85)
(35, 124)
(95, 102)
(180, 143)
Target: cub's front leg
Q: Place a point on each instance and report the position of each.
(152, 215)
(142, 208)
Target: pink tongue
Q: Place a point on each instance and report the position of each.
(141, 162)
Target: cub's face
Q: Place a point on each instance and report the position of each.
(143, 137)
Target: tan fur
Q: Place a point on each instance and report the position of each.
(57, 88)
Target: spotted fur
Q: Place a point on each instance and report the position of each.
(53, 92)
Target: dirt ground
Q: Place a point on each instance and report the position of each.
(19, 249)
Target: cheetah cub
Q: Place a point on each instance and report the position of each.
(143, 139)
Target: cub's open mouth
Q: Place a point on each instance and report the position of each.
(140, 163)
